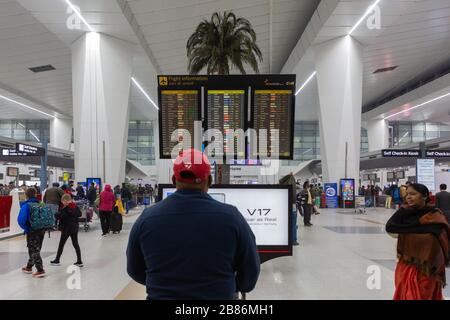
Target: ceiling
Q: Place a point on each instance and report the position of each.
(414, 34)
(168, 24)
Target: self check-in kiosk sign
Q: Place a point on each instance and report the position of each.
(25, 149)
(401, 153)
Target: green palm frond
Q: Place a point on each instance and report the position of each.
(221, 43)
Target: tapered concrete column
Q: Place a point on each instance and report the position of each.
(101, 75)
(61, 133)
(339, 77)
(378, 134)
(164, 167)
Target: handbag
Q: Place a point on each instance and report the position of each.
(119, 206)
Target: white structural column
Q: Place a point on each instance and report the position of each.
(61, 133)
(164, 167)
(378, 134)
(339, 77)
(101, 75)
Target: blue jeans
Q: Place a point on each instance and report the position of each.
(294, 226)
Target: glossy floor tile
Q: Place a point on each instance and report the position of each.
(335, 260)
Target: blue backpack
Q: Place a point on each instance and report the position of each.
(41, 217)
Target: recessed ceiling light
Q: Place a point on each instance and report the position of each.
(26, 106)
(419, 105)
(306, 82)
(144, 93)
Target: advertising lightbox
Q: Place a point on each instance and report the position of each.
(265, 208)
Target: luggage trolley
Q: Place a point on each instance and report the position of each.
(360, 205)
(86, 214)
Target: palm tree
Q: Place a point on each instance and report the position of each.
(223, 42)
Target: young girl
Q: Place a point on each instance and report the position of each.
(68, 224)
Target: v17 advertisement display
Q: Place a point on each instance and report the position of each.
(266, 211)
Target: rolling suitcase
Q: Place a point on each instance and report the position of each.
(116, 221)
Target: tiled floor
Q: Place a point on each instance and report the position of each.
(332, 262)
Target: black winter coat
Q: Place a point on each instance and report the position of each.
(68, 218)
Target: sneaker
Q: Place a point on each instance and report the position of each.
(296, 243)
(78, 264)
(104, 235)
(39, 274)
(55, 263)
(27, 270)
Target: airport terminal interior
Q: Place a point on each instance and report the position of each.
(318, 118)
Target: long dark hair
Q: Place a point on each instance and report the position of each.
(422, 189)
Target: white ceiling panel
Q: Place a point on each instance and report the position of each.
(167, 25)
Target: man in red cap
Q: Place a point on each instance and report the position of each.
(190, 246)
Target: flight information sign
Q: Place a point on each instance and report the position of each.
(178, 110)
(226, 113)
(222, 102)
(274, 109)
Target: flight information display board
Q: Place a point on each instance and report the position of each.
(222, 102)
(178, 109)
(274, 109)
(226, 111)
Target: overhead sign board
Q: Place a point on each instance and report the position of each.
(12, 153)
(29, 150)
(400, 153)
(438, 153)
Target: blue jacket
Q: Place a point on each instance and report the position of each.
(190, 246)
(24, 214)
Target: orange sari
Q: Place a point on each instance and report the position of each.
(420, 272)
(411, 284)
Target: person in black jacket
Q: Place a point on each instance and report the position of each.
(68, 224)
(126, 196)
(190, 246)
(92, 194)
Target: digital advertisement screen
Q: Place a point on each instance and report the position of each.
(266, 211)
(97, 183)
(12, 172)
(348, 189)
(400, 174)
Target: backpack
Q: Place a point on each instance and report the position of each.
(41, 217)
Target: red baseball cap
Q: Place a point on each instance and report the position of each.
(192, 161)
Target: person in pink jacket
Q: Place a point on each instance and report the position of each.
(105, 207)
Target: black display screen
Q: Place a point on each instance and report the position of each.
(274, 109)
(226, 113)
(179, 109)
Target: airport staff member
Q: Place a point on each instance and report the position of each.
(190, 246)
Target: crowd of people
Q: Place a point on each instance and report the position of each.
(159, 257)
(61, 205)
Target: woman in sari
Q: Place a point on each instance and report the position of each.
(422, 247)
